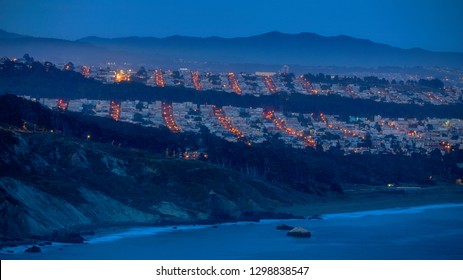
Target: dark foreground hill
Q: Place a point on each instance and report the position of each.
(50, 183)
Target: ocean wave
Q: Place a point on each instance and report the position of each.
(138, 232)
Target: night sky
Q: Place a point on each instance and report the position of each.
(430, 24)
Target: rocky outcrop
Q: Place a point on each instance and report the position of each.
(33, 249)
(103, 209)
(222, 207)
(27, 211)
(115, 165)
(170, 209)
(22, 147)
(299, 232)
(79, 159)
(35, 212)
(66, 237)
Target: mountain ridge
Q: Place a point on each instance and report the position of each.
(271, 48)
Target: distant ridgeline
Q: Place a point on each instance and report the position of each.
(45, 80)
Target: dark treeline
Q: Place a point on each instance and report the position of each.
(371, 81)
(45, 80)
(309, 170)
(342, 80)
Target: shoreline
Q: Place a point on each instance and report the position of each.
(350, 202)
(109, 235)
(137, 235)
(347, 203)
(118, 233)
(378, 199)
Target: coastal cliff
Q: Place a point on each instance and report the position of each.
(53, 183)
(27, 211)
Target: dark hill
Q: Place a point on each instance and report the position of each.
(8, 35)
(53, 178)
(49, 49)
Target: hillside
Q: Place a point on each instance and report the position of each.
(274, 48)
(62, 171)
(51, 184)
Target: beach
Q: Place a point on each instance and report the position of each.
(420, 232)
(411, 222)
(361, 198)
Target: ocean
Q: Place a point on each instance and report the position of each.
(431, 232)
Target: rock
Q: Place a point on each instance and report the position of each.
(116, 165)
(222, 208)
(73, 237)
(169, 208)
(33, 249)
(47, 243)
(22, 147)
(299, 232)
(79, 159)
(119, 172)
(215, 226)
(9, 251)
(284, 227)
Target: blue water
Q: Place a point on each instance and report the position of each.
(425, 232)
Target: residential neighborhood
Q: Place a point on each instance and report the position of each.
(257, 125)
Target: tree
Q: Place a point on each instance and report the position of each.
(367, 141)
(28, 59)
(139, 106)
(433, 83)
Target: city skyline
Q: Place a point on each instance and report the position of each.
(433, 25)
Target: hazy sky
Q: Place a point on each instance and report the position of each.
(429, 24)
